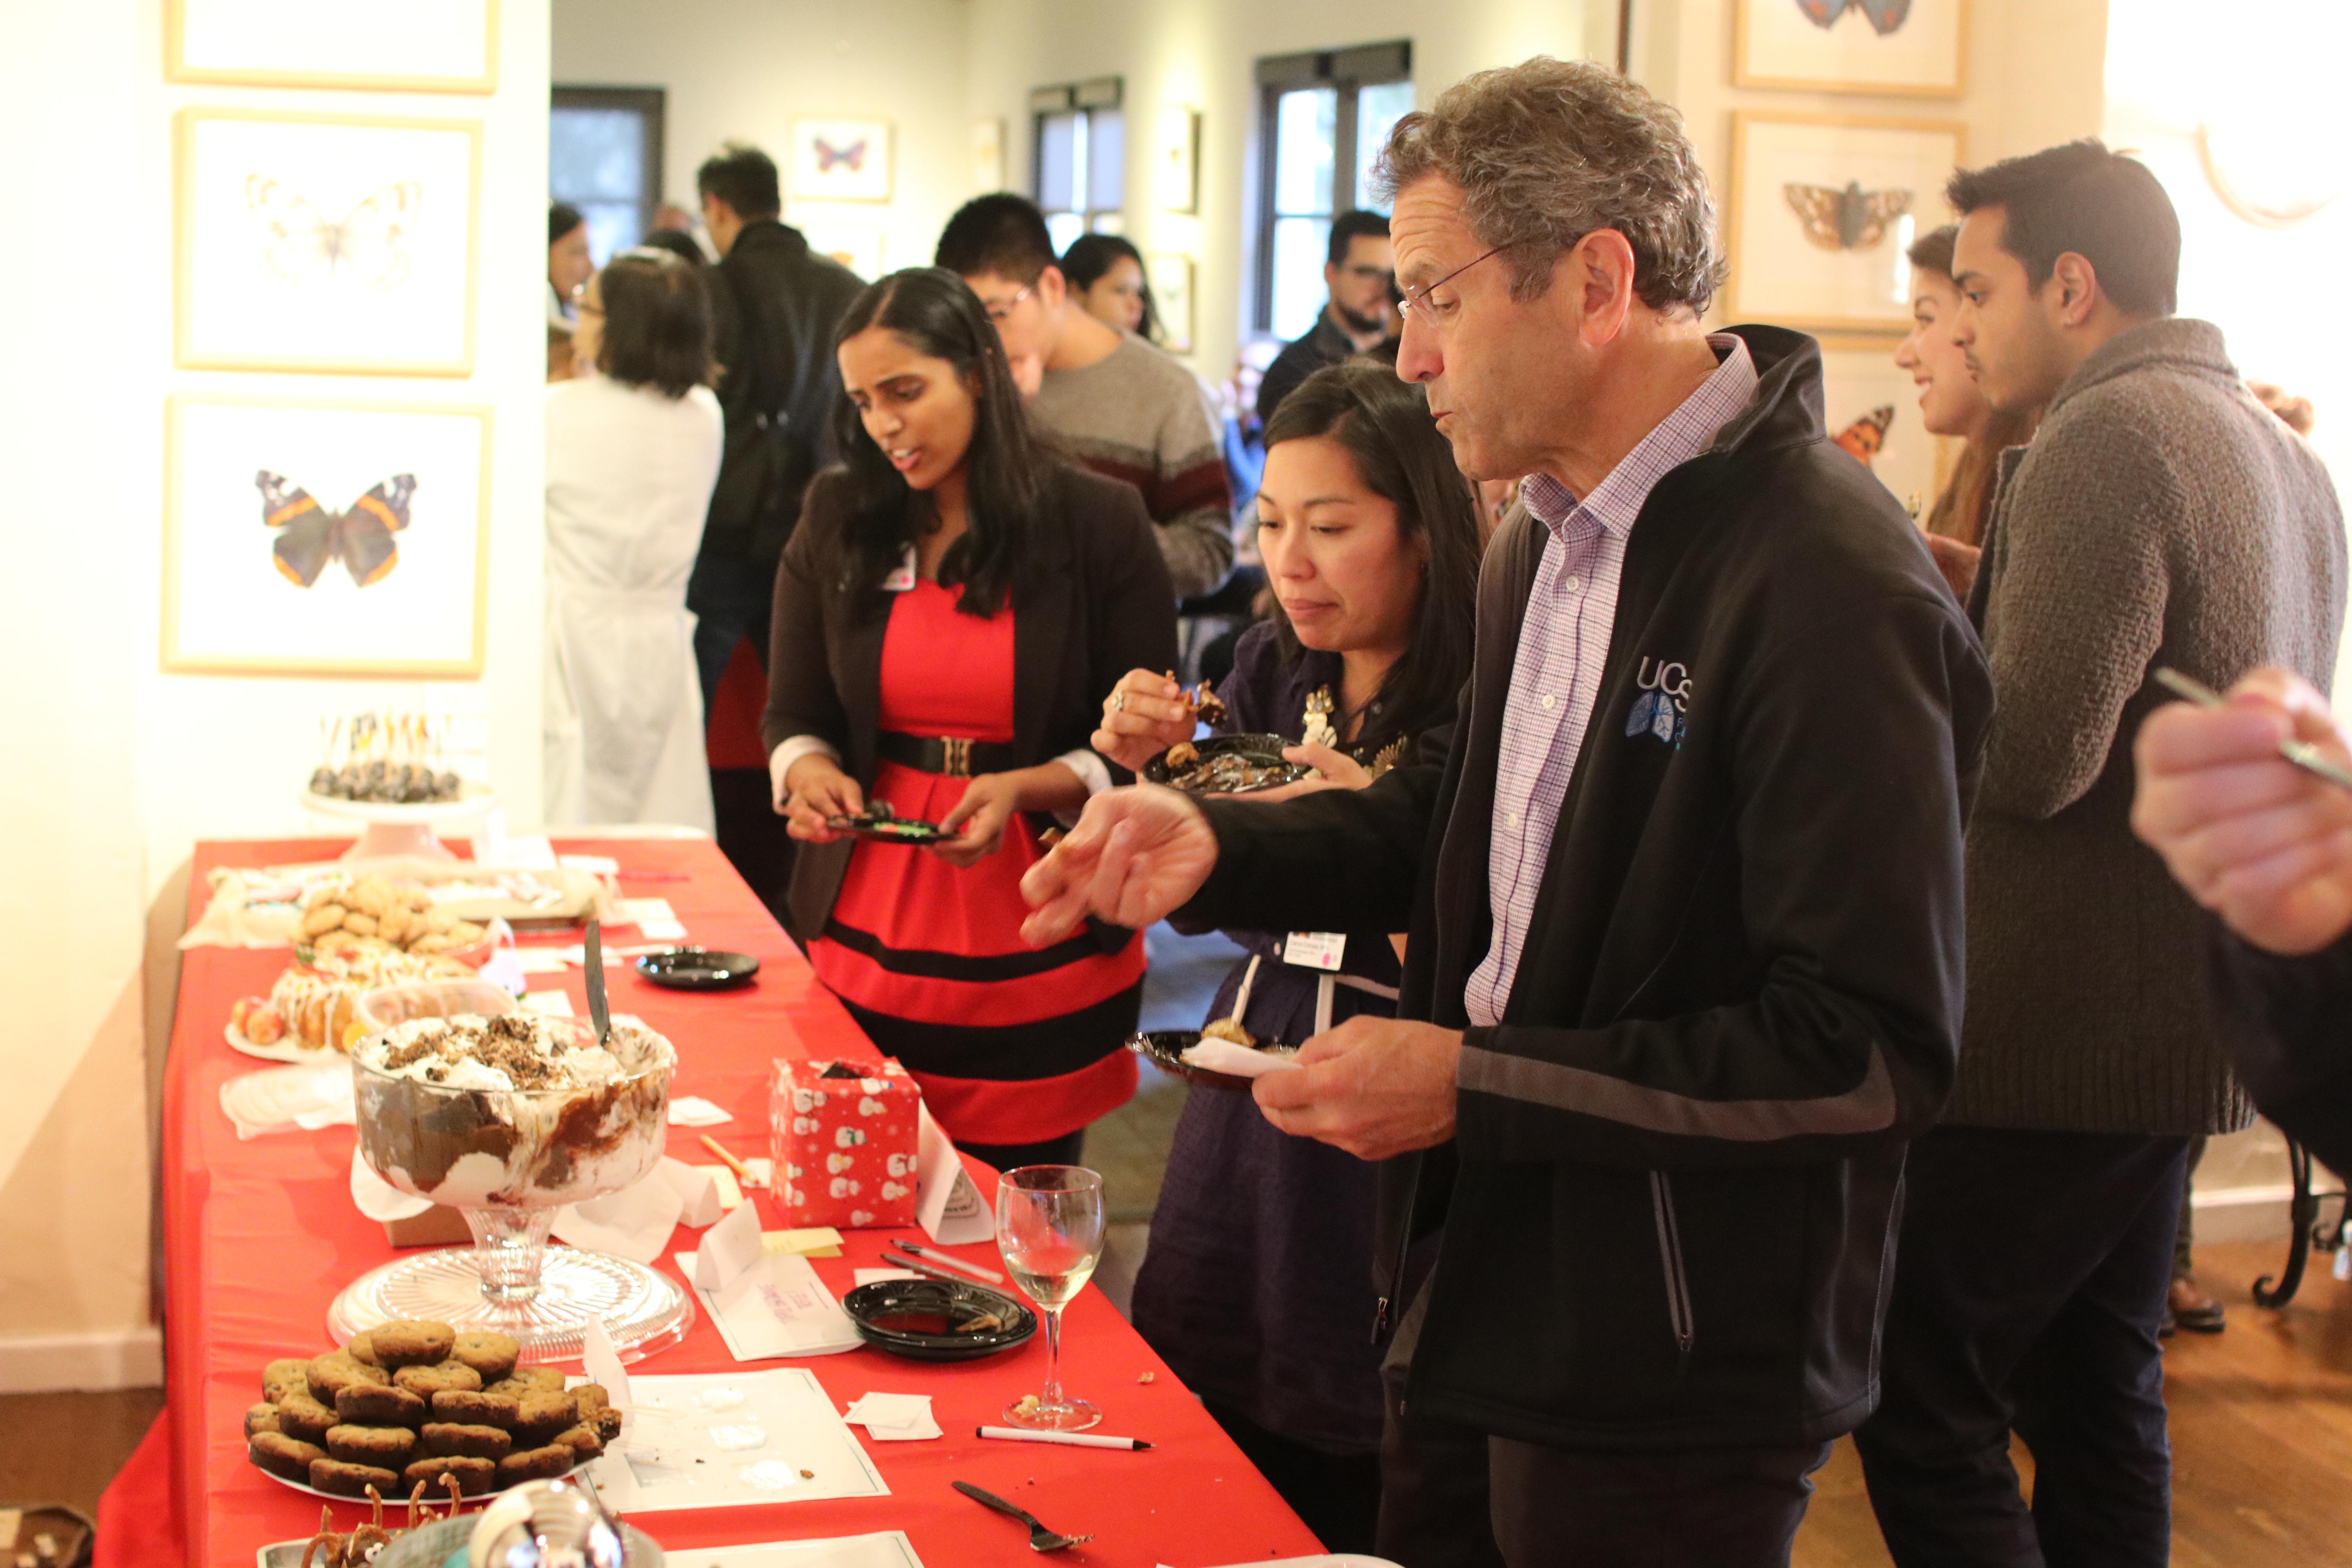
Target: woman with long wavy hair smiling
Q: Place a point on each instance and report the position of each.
(953, 605)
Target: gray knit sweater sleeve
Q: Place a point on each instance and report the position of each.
(2079, 613)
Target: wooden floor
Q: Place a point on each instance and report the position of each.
(65, 1448)
(2261, 1434)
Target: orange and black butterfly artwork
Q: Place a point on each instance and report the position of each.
(1866, 435)
(1883, 16)
(309, 535)
(1850, 219)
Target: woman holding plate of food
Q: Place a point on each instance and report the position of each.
(953, 600)
(1257, 1285)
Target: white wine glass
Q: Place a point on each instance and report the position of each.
(1049, 1226)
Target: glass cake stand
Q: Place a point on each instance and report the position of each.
(390, 827)
(508, 1160)
(544, 1297)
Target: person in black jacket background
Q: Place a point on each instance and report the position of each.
(1685, 972)
(775, 303)
(2267, 846)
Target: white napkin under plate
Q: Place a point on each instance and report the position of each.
(307, 1096)
(1233, 1060)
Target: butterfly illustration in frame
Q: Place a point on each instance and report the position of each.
(1884, 16)
(1866, 435)
(852, 157)
(369, 244)
(1850, 219)
(309, 535)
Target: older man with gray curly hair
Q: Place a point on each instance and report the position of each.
(1685, 970)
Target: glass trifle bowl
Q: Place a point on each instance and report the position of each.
(507, 1117)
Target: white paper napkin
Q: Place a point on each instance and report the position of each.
(696, 1186)
(693, 1111)
(1235, 1061)
(894, 1417)
(379, 1199)
(634, 1223)
(279, 1099)
(777, 1307)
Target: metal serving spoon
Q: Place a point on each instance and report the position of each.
(1040, 1538)
(599, 1012)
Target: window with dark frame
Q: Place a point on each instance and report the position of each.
(1323, 119)
(604, 157)
(1079, 159)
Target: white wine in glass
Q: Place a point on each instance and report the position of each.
(1049, 1226)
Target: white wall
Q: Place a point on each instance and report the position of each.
(78, 436)
(2273, 291)
(1200, 55)
(115, 769)
(744, 70)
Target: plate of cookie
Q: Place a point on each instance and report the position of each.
(1226, 765)
(408, 1402)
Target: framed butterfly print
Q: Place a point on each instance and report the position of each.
(322, 538)
(417, 45)
(316, 242)
(1889, 47)
(840, 161)
(1822, 209)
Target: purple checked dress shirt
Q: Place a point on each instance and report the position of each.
(1563, 643)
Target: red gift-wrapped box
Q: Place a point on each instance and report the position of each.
(844, 1139)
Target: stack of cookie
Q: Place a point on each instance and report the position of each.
(409, 1402)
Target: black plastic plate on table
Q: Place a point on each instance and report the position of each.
(1264, 751)
(932, 1319)
(698, 969)
(888, 829)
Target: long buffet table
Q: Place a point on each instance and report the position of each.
(259, 1235)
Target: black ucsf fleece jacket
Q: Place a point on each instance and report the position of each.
(1669, 1207)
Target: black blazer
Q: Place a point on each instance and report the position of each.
(775, 303)
(1093, 604)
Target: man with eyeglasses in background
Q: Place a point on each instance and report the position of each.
(1124, 409)
(1360, 273)
(1684, 893)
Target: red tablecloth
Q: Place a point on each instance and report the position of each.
(260, 1235)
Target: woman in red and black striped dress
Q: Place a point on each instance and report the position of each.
(953, 603)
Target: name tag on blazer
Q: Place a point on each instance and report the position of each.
(1324, 949)
(903, 577)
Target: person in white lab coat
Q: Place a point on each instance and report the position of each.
(632, 453)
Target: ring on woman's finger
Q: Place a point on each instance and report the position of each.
(1119, 700)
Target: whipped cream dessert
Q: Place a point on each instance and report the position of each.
(522, 1110)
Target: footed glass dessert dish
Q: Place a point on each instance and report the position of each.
(507, 1119)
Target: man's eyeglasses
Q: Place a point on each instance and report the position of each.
(1384, 276)
(1000, 310)
(1417, 298)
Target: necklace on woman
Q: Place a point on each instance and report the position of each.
(1317, 730)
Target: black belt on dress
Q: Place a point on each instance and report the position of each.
(944, 754)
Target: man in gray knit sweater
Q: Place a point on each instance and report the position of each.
(2160, 517)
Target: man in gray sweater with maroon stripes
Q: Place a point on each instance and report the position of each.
(2161, 517)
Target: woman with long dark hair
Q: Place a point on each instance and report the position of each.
(954, 597)
(1950, 404)
(1258, 1286)
(633, 449)
(1107, 282)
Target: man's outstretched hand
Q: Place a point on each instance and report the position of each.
(2257, 840)
(1135, 855)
